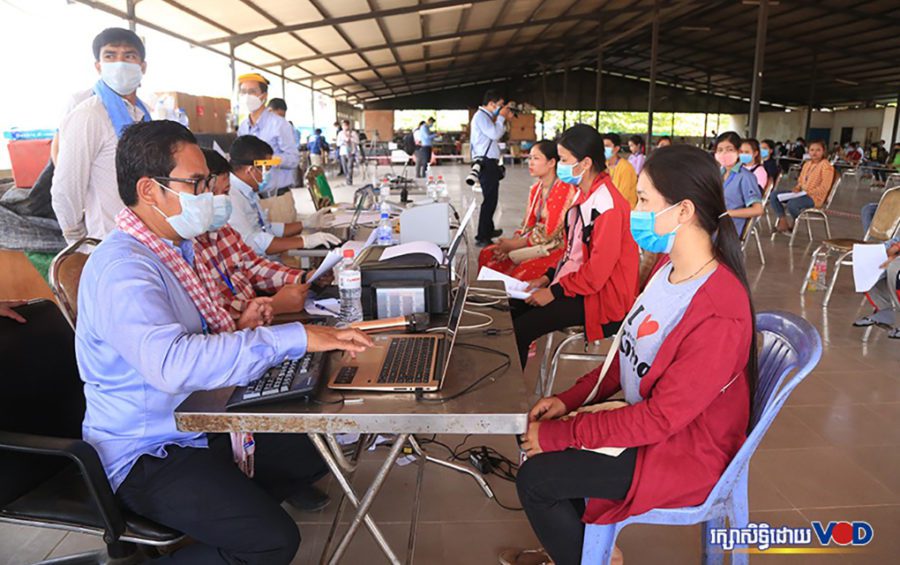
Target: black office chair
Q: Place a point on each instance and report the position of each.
(50, 477)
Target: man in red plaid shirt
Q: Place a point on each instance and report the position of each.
(237, 273)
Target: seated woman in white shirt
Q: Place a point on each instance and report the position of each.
(249, 218)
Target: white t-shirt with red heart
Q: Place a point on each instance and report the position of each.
(653, 316)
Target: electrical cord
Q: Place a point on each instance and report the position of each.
(471, 387)
(490, 320)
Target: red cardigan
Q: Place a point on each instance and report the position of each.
(687, 429)
(608, 278)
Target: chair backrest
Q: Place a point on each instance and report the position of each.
(65, 274)
(887, 216)
(834, 186)
(42, 393)
(319, 189)
(892, 180)
(789, 344)
(748, 229)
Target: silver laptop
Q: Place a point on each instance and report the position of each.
(401, 362)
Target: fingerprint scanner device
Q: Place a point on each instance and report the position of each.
(408, 278)
(429, 222)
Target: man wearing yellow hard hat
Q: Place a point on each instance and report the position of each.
(253, 91)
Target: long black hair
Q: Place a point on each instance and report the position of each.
(683, 172)
(584, 141)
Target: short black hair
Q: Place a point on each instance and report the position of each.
(614, 138)
(216, 163)
(278, 104)
(118, 36)
(248, 148)
(637, 140)
(491, 96)
(431, 119)
(318, 131)
(146, 149)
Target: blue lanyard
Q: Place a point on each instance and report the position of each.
(225, 278)
(203, 325)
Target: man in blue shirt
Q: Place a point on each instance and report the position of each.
(423, 151)
(318, 148)
(147, 336)
(487, 127)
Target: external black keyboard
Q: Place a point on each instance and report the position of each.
(292, 378)
(408, 360)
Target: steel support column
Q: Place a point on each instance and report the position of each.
(543, 101)
(129, 8)
(654, 55)
(598, 87)
(706, 107)
(758, 61)
(565, 100)
(896, 123)
(812, 95)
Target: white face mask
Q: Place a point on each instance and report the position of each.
(124, 78)
(251, 103)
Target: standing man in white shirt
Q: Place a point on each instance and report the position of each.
(279, 134)
(84, 194)
(488, 126)
(348, 148)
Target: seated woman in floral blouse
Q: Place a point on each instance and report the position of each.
(542, 229)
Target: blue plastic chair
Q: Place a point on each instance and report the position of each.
(789, 343)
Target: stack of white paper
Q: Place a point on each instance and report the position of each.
(867, 262)
(514, 287)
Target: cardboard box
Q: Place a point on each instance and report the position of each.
(521, 128)
(205, 114)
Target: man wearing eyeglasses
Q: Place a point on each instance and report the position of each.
(253, 91)
(83, 194)
(149, 334)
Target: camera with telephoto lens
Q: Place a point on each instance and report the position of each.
(472, 177)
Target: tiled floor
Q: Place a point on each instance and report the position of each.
(832, 454)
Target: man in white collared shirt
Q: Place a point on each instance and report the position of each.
(84, 194)
(488, 126)
(249, 218)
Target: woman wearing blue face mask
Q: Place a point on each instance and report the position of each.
(767, 153)
(596, 280)
(686, 365)
(742, 195)
(751, 158)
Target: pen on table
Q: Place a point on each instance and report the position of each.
(326, 308)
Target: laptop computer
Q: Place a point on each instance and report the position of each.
(401, 362)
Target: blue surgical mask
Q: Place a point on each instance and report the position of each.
(196, 213)
(124, 78)
(564, 172)
(262, 185)
(764, 153)
(745, 158)
(643, 231)
(608, 152)
(221, 211)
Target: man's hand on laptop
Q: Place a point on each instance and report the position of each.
(323, 338)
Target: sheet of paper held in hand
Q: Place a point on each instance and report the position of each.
(867, 262)
(335, 255)
(785, 196)
(514, 287)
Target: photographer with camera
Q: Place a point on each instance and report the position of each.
(488, 126)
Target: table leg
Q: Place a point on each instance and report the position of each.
(326, 551)
(362, 506)
(458, 468)
(414, 519)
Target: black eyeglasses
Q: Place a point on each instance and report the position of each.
(200, 185)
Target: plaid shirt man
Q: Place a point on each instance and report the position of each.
(235, 272)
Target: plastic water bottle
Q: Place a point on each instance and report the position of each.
(431, 189)
(183, 118)
(385, 230)
(443, 195)
(350, 286)
(384, 192)
(822, 268)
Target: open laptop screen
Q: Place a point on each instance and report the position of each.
(456, 312)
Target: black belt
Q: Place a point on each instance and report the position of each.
(279, 192)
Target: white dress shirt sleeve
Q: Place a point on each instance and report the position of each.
(245, 220)
(80, 137)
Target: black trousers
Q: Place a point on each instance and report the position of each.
(552, 488)
(234, 519)
(489, 178)
(423, 157)
(531, 322)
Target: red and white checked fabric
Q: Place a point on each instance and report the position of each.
(247, 271)
(218, 320)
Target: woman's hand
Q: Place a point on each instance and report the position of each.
(505, 245)
(6, 310)
(530, 444)
(538, 283)
(547, 409)
(602, 406)
(257, 313)
(540, 297)
(892, 253)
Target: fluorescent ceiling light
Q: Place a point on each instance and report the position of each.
(442, 9)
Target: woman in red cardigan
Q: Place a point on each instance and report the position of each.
(548, 202)
(596, 280)
(686, 366)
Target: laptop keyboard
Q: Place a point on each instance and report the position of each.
(408, 360)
